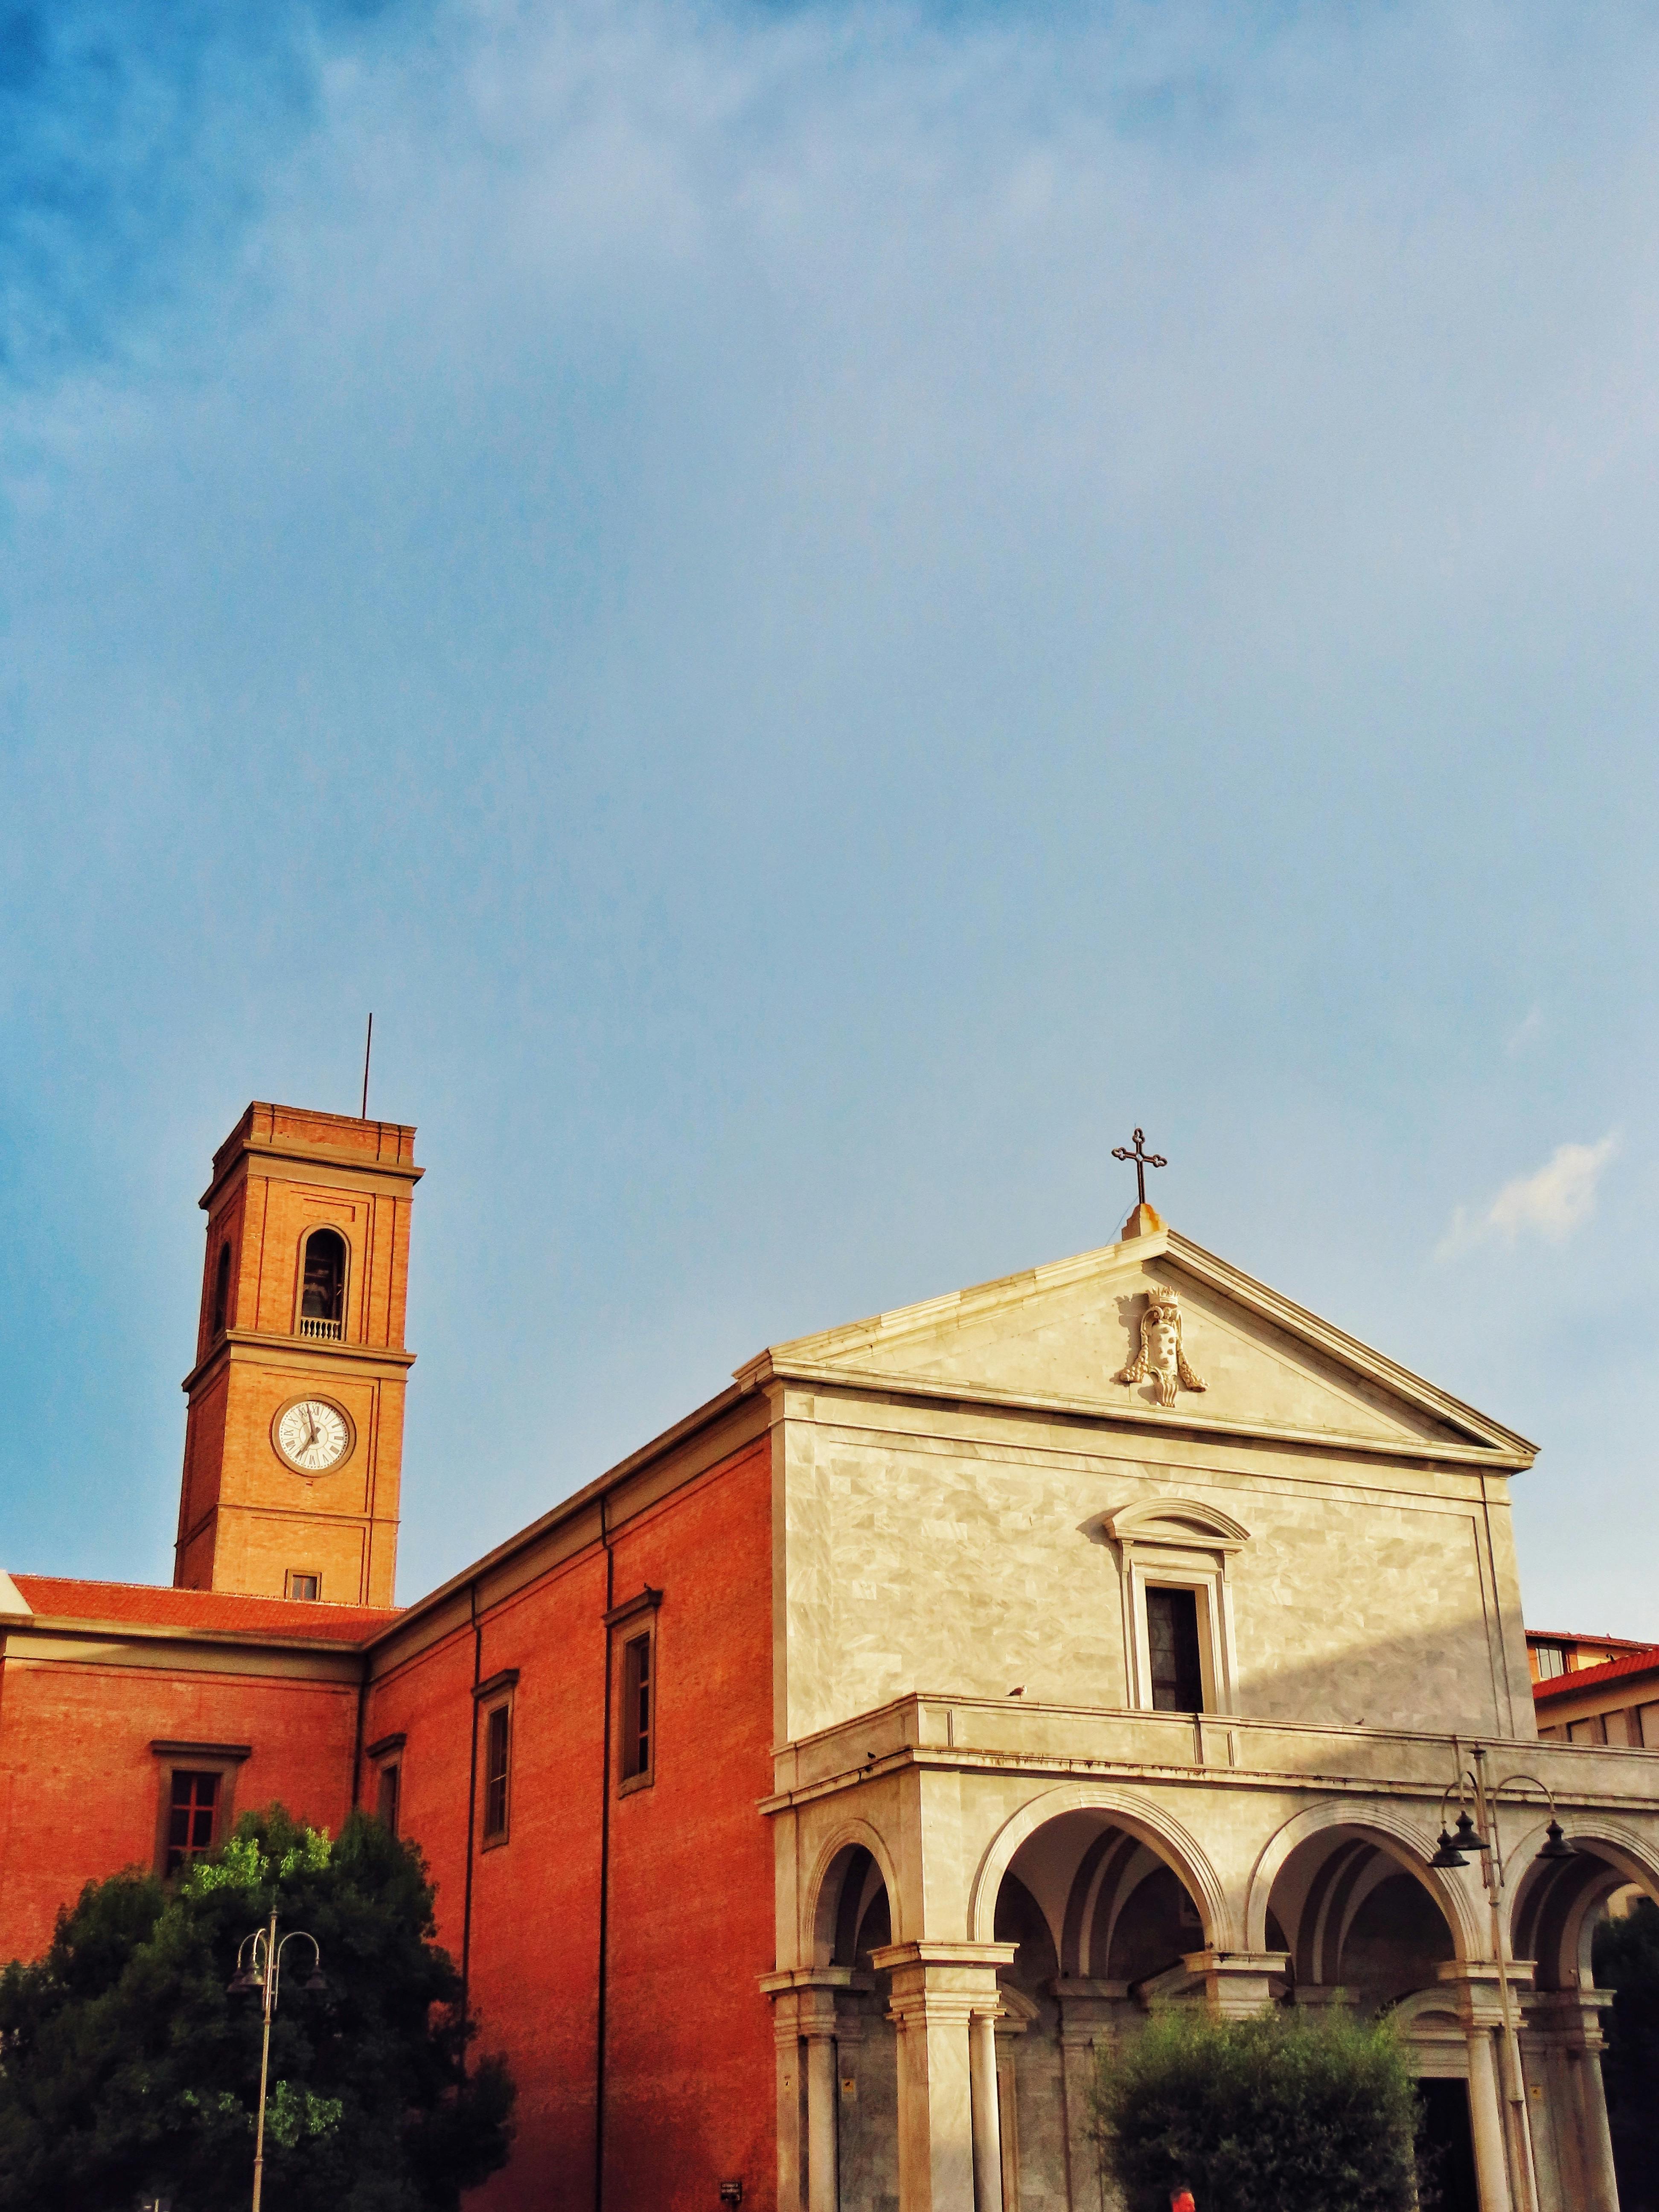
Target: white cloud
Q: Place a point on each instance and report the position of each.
(1554, 1201)
(1525, 1033)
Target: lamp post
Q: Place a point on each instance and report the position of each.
(259, 1967)
(1480, 1834)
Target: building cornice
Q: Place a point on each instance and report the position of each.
(1136, 1415)
(302, 1353)
(336, 1157)
(217, 1650)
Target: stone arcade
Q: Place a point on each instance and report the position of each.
(813, 1795)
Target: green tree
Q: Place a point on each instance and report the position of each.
(1252, 2115)
(127, 2067)
(1626, 1958)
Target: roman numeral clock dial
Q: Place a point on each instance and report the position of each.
(313, 1436)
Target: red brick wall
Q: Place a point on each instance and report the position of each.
(80, 1786)
(689, 2065)
(263, 1522)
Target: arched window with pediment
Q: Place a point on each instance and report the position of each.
(323, 1284)
(1173, 1554)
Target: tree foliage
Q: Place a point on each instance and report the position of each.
(1289, 2107)
(128, 2067)
(1626, 1958)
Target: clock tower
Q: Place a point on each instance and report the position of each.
(294, 1438)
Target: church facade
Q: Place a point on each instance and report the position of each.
(815, 1796)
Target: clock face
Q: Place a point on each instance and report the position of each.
(313, 1436)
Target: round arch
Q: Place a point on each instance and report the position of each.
(823, 1896)
(1404, 1844)
(1150, 1823)
(1553, 1921)
(1621, 1848)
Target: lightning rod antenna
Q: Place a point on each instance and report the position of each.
(369, 1047)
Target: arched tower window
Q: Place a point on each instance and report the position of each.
(322, 1296)
(222, 1291)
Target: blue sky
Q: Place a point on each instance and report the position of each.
(823, 609)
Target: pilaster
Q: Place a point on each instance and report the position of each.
(936, 1989)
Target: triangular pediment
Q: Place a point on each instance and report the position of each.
(1065, 1335)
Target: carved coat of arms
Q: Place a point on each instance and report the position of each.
(1161, 1358)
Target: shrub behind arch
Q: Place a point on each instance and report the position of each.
(1288, 2108)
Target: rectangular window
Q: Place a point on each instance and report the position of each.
(1550, 1660)
(638, 1695)
(308, 1587)
(386, 1796)
(1587, 1731)
(191, 1808)
(1177, 1672)
(497, 1751)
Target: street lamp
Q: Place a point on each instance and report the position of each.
(259, 1967)
(1480, 1834)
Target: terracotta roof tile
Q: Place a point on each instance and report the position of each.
(1642, 1661)
(152, 1606)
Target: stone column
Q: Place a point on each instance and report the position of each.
(1089, 2012)
(822, 2181)
(937, 1988)
(987, 2132)
(788, 2091)
(1008, 2113)
(804, 2029)
(1597, 2136)
(1486, 2122)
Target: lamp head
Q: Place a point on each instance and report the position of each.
(1555, 1845)
(1447, 1855)
(243, 1980)
(1470, 1837)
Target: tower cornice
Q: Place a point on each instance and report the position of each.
(302, 1353)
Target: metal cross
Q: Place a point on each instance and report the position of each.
(1142, 1159)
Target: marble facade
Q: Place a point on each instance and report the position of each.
(993, 1855)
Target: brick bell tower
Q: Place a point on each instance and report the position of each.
(294, 1439)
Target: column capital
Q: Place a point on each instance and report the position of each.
(1474, 1984)
(804, 1997)
(784, 1978)
(937, 1954)
(1234, 1982)
(1089, 2008)
(940, 1980)
(1572, 2017)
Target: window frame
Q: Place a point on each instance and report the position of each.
(172, 1757)
(1178, 1543)
(634, 1622)
(497, 1695)
(386, 1753)
(338, 1228)
(389, 1782)
(629, 1777)
(291, 1575)
(1199, 1596)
